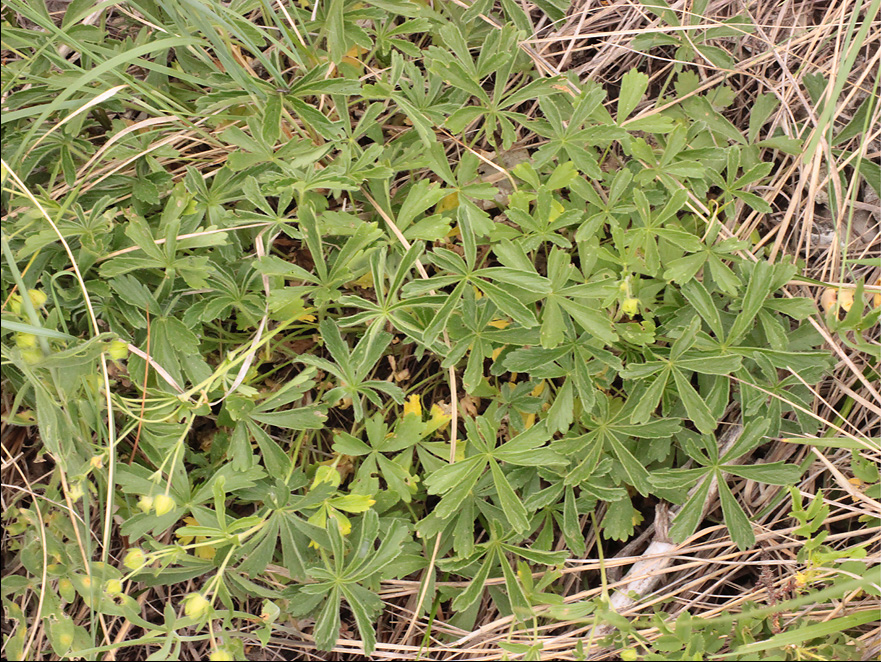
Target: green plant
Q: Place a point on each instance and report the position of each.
(287, 252)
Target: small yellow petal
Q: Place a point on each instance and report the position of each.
(365, 281)
(438, 415)
(828, 298)
(556, 210)
(500, 323)
(413, 406)
(449, 202)
(539, 389)
(207, 552)
(496, 352)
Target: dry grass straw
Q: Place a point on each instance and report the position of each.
(706, 575)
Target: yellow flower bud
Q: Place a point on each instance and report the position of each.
(145, 503)
(195, 605)
(135, 559)
(76, 491)
(163, 504)
(828, 298)
(38, 298)
(220, 655)
(118, 350)
(113, 587)
(845, 299)
(25, 340)
(630, 306)
(32, 356)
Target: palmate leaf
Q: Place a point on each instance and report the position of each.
(342, 575)
(457, 481)
(353, 367)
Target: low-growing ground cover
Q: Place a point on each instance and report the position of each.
(502, 330)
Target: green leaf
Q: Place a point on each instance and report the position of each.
(774, 473)
(272, 119)
(710, 364)
(592, 320)
(552, 326)
(651, 124)
(735, 519)
(689, 516)
(327, 623)
(699, 297)
(475, 589)
(806, 633)
(509, 304)
(699, 108)
(363, 604)
(508, 499)
(697, 408)
(561, 414)
(751, 437)
(346, 444)
(618, 522)
(633, 86)
(649, 400)
(514, 592)
(301, 418)
(758, 289)
(636, 473)
(452, 500)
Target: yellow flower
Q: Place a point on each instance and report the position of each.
(413, 405)
(500, 323)
(834, 298)
(206, 552)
